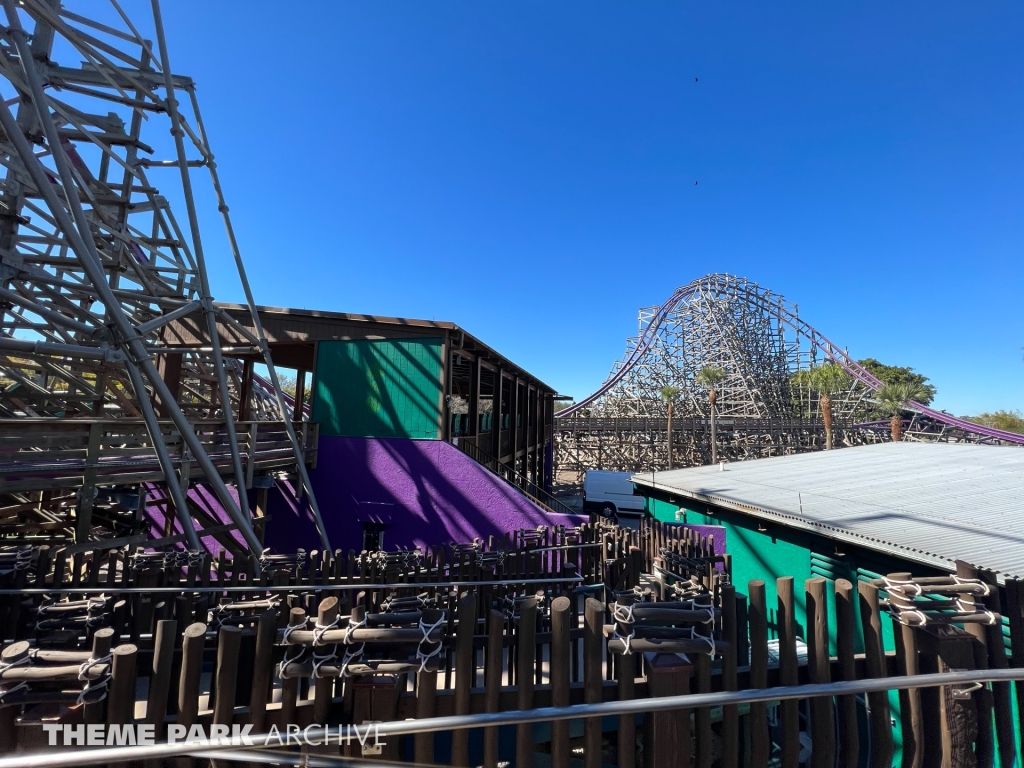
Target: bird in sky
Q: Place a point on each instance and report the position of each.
(695, 79)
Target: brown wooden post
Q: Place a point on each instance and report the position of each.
(527, 649)
(702, 717)
(426, 699)
(907, 663)
(849, 737)
(92, 713)
(290, 685)
(760, 741)
(560, 687)
(667, 740)
(160, 681)
(191, 670)
(819, 671)
(263, 669)
(245, 396)
(625, 672)
(874, 662)
(465, 672)
(944, 649)
(493, 665)
(121, 699)
(300, 395)
(593, 679)
(730, 713)
(327, 614)
(788, 673)
(1015, 615)
(985, 748)
(229, 639)
(86, 494)
(1000, 691)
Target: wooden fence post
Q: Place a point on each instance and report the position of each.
(465, 671)
(730, 712)
(492, 682)
(229, 640)
(819, 671)
(160, 681)
(788, 673)
(593, 679)
(526, 643)
(263, 669)
(702, 668)
(760, 741)
(323, 692)
(874, 661)
(121, 700)
(625, 672)
(92, 713)
(849, 735)
(1000, 691)
(426, 698)
(984, 749)
(191, 669)
(667, 739)
(560, 685)
(910, 699)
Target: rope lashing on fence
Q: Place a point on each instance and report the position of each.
(23, 685)
(427, 630)
(352, 651)
(919, 602)
(320, 659)
(93, 686)
(623, 614)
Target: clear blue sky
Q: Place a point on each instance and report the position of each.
(526, 169)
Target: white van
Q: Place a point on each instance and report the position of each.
(610, 494)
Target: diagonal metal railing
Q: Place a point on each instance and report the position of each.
(228, 748)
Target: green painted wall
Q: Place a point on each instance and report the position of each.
(780, 551)
(379, 388)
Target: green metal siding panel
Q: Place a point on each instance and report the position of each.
(379, 388)
(755, 555)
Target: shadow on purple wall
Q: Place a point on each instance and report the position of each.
(429, 489)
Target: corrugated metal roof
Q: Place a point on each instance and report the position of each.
(931, 502)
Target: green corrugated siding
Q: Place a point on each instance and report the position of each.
(379, 388)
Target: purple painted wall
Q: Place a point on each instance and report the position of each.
(430, 490)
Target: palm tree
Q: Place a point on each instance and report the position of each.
(711, 377)
(669, 394)
(827, 380)
(893, 398)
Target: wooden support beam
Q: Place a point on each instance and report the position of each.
(245, 396)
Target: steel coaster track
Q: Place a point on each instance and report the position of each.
(725, 283)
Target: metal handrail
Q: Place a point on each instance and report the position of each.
(217, 748)
(182, 589)
(526, 486)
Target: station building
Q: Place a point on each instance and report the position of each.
(416, 419)
(855, 513)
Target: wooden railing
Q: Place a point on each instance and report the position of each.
(52, 454)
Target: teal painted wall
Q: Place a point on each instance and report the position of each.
(379, 388)
(779, 551)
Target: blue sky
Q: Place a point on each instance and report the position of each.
(526, 169)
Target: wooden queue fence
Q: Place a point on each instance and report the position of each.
(546, 617)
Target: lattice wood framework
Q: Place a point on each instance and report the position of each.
(98, 136)
(764, 405)
(733, 324)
